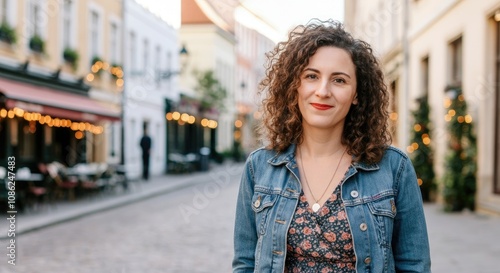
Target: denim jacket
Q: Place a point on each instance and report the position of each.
(382, 201)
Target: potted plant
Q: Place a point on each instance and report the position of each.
(97, 65)
(71, 56)
(116, 71)
(37, 44)
(7, 33)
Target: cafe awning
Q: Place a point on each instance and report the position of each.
(56, 103)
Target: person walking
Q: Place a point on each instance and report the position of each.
(328, 192)
(145, 144)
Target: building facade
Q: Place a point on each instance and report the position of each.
(251, 50)
(428, 47)
(151, 68)
(207, 31)
(57, 102)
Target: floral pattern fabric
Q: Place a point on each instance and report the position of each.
(320, 241)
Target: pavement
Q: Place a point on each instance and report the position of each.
(45, 215)
(460, 242)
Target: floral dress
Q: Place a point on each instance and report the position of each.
(320, 241)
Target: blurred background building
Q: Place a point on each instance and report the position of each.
(151, 57)
(56, 105)
(80, 79)
(444, 55)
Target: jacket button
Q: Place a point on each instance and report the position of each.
(368, 260)
(354, 194)
(393, 206)
(257, 203)
(363, 227)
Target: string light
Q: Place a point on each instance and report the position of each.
(115, 70)
(190, 119)
(420, 181)
(33, 117)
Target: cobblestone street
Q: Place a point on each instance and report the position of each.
(190, 230)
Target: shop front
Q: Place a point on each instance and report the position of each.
(189, 133)
(46, 121)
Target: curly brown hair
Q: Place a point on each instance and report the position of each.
(366, 132)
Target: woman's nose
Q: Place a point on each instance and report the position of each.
(323, 90)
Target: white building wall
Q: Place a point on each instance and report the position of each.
(145, 94)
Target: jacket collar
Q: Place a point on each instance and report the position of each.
(283, 157)
(289, 154)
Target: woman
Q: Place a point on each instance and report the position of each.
(328, 193)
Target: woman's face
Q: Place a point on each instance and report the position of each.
(327, 89)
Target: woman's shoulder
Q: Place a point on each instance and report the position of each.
(262, 153)
(393, 151)
(395, 156)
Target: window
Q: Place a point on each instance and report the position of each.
(396, 10)
(3, 11)
(158, 58)
(35, 17)
(133, 50)
(94, 34)
(425, 76)
(456, 62)
(114, 43)
(169, 61)
(158, 65)
(169, 68)
(27, 139)
(67, 23)
(496, 176)
(145, 55)
(393, 104)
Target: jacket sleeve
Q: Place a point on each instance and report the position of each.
(245, 232)
(410, 243)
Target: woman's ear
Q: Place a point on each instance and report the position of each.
(355, 100)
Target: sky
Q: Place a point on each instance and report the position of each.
(280, 14)
(285, 14)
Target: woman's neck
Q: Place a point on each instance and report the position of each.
(321, 145)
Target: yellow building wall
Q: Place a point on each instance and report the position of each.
(51, 59)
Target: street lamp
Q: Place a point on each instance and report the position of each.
(184, 54)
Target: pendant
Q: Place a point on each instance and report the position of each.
(315, 207)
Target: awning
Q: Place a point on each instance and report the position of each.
(56, 103)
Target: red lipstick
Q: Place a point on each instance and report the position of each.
(320, 106)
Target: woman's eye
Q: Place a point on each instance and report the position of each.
(311, 76)
(339, 80)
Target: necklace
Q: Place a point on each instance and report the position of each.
(316, 206)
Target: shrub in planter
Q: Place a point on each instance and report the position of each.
(97, 65)
(71, 56)
(37, 44)
(116, 71)
(459, 178)
(7, 34)
(96, 59)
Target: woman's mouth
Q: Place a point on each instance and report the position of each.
(320, 106)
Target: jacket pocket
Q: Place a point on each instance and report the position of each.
(384, 211)
(261, 205)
